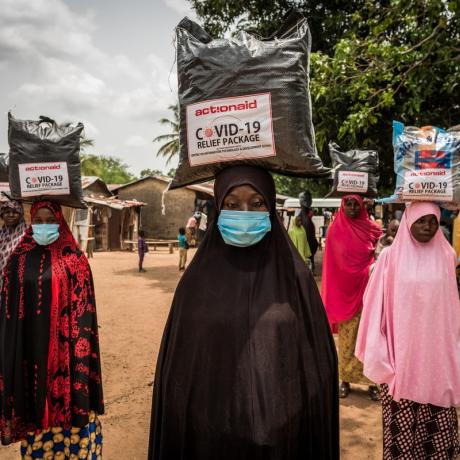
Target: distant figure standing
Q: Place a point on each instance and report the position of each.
(387, 239)
(299, 238)
(190, 228)
(12, 231)
(307, 223)
(348, 257)
(202, 226)
(142, 249)
(183, 248)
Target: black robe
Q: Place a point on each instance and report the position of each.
(247, 367)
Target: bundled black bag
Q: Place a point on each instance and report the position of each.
(44, 161)
(3, 167)
(245, 100)
(354, 171)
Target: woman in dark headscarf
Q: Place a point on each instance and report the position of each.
(50, 377)
(247, 367)
(13, 228)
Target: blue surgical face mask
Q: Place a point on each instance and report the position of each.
(45, 234)
(243, 228)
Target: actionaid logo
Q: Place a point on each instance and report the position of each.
(246, 105)
(43, 168)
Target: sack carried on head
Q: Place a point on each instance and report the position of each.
(45, 161)
(245, 100)
(427, 165)
(354, 171)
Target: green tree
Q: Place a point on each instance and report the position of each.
(111, 170)
(171, 146)
(373, 61)
(156, 172)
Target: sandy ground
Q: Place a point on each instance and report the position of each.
(132, 310)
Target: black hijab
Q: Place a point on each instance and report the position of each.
(247, 367)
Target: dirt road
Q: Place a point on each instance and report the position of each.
(132, 310)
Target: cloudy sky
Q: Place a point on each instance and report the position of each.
(109, 64)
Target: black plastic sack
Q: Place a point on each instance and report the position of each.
(3, 167)
(44, 161)
(354, 171)
(245, 100)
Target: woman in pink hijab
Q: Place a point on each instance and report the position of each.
(349, 254)
(409, 339)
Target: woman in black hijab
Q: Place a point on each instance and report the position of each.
(247, 367)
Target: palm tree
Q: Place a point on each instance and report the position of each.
(171, 148)
(85, 142)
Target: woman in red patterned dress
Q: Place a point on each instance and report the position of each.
(50, 373)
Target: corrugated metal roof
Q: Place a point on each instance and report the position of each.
(114, 202)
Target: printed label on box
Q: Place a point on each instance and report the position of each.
(352, 181)
(235, 128)
(44, 179)
(430, 183)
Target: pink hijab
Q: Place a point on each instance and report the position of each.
(348, 255)
(409, 335)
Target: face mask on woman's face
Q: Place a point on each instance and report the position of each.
(243, 228)
(45, 234)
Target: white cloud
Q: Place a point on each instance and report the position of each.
(68, 86)
(180, 6)
(136, 141)
(141, 103)
(44, 28)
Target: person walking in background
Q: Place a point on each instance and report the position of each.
(299, 239)
(387, 239)
(190, 229)
(349, 254)
(50, 371)
(142, 249)
(247, 367)
(202, 226)
(12, 231)
(409, 339)
(183, 248)
(306, 214)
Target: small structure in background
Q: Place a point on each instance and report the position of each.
(179, 204)
(107, 222)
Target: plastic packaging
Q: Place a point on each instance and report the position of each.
(245, 100)
(3, 167)
(44, 161)
(427, 165)
(354, 171)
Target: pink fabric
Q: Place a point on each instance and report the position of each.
(191, 223)
(349, 253)
(409, 335)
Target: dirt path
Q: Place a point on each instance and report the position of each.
(132, 310)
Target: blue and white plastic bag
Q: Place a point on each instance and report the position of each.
(427, 165)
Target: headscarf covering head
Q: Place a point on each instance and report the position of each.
(263, 296)
(10, 236)
(257, 178)
(66, 238)
(11, 204)
(348, 256)
(410, 326)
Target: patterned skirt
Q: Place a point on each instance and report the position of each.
(418, 431)
(59, 444)
(350, 367)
